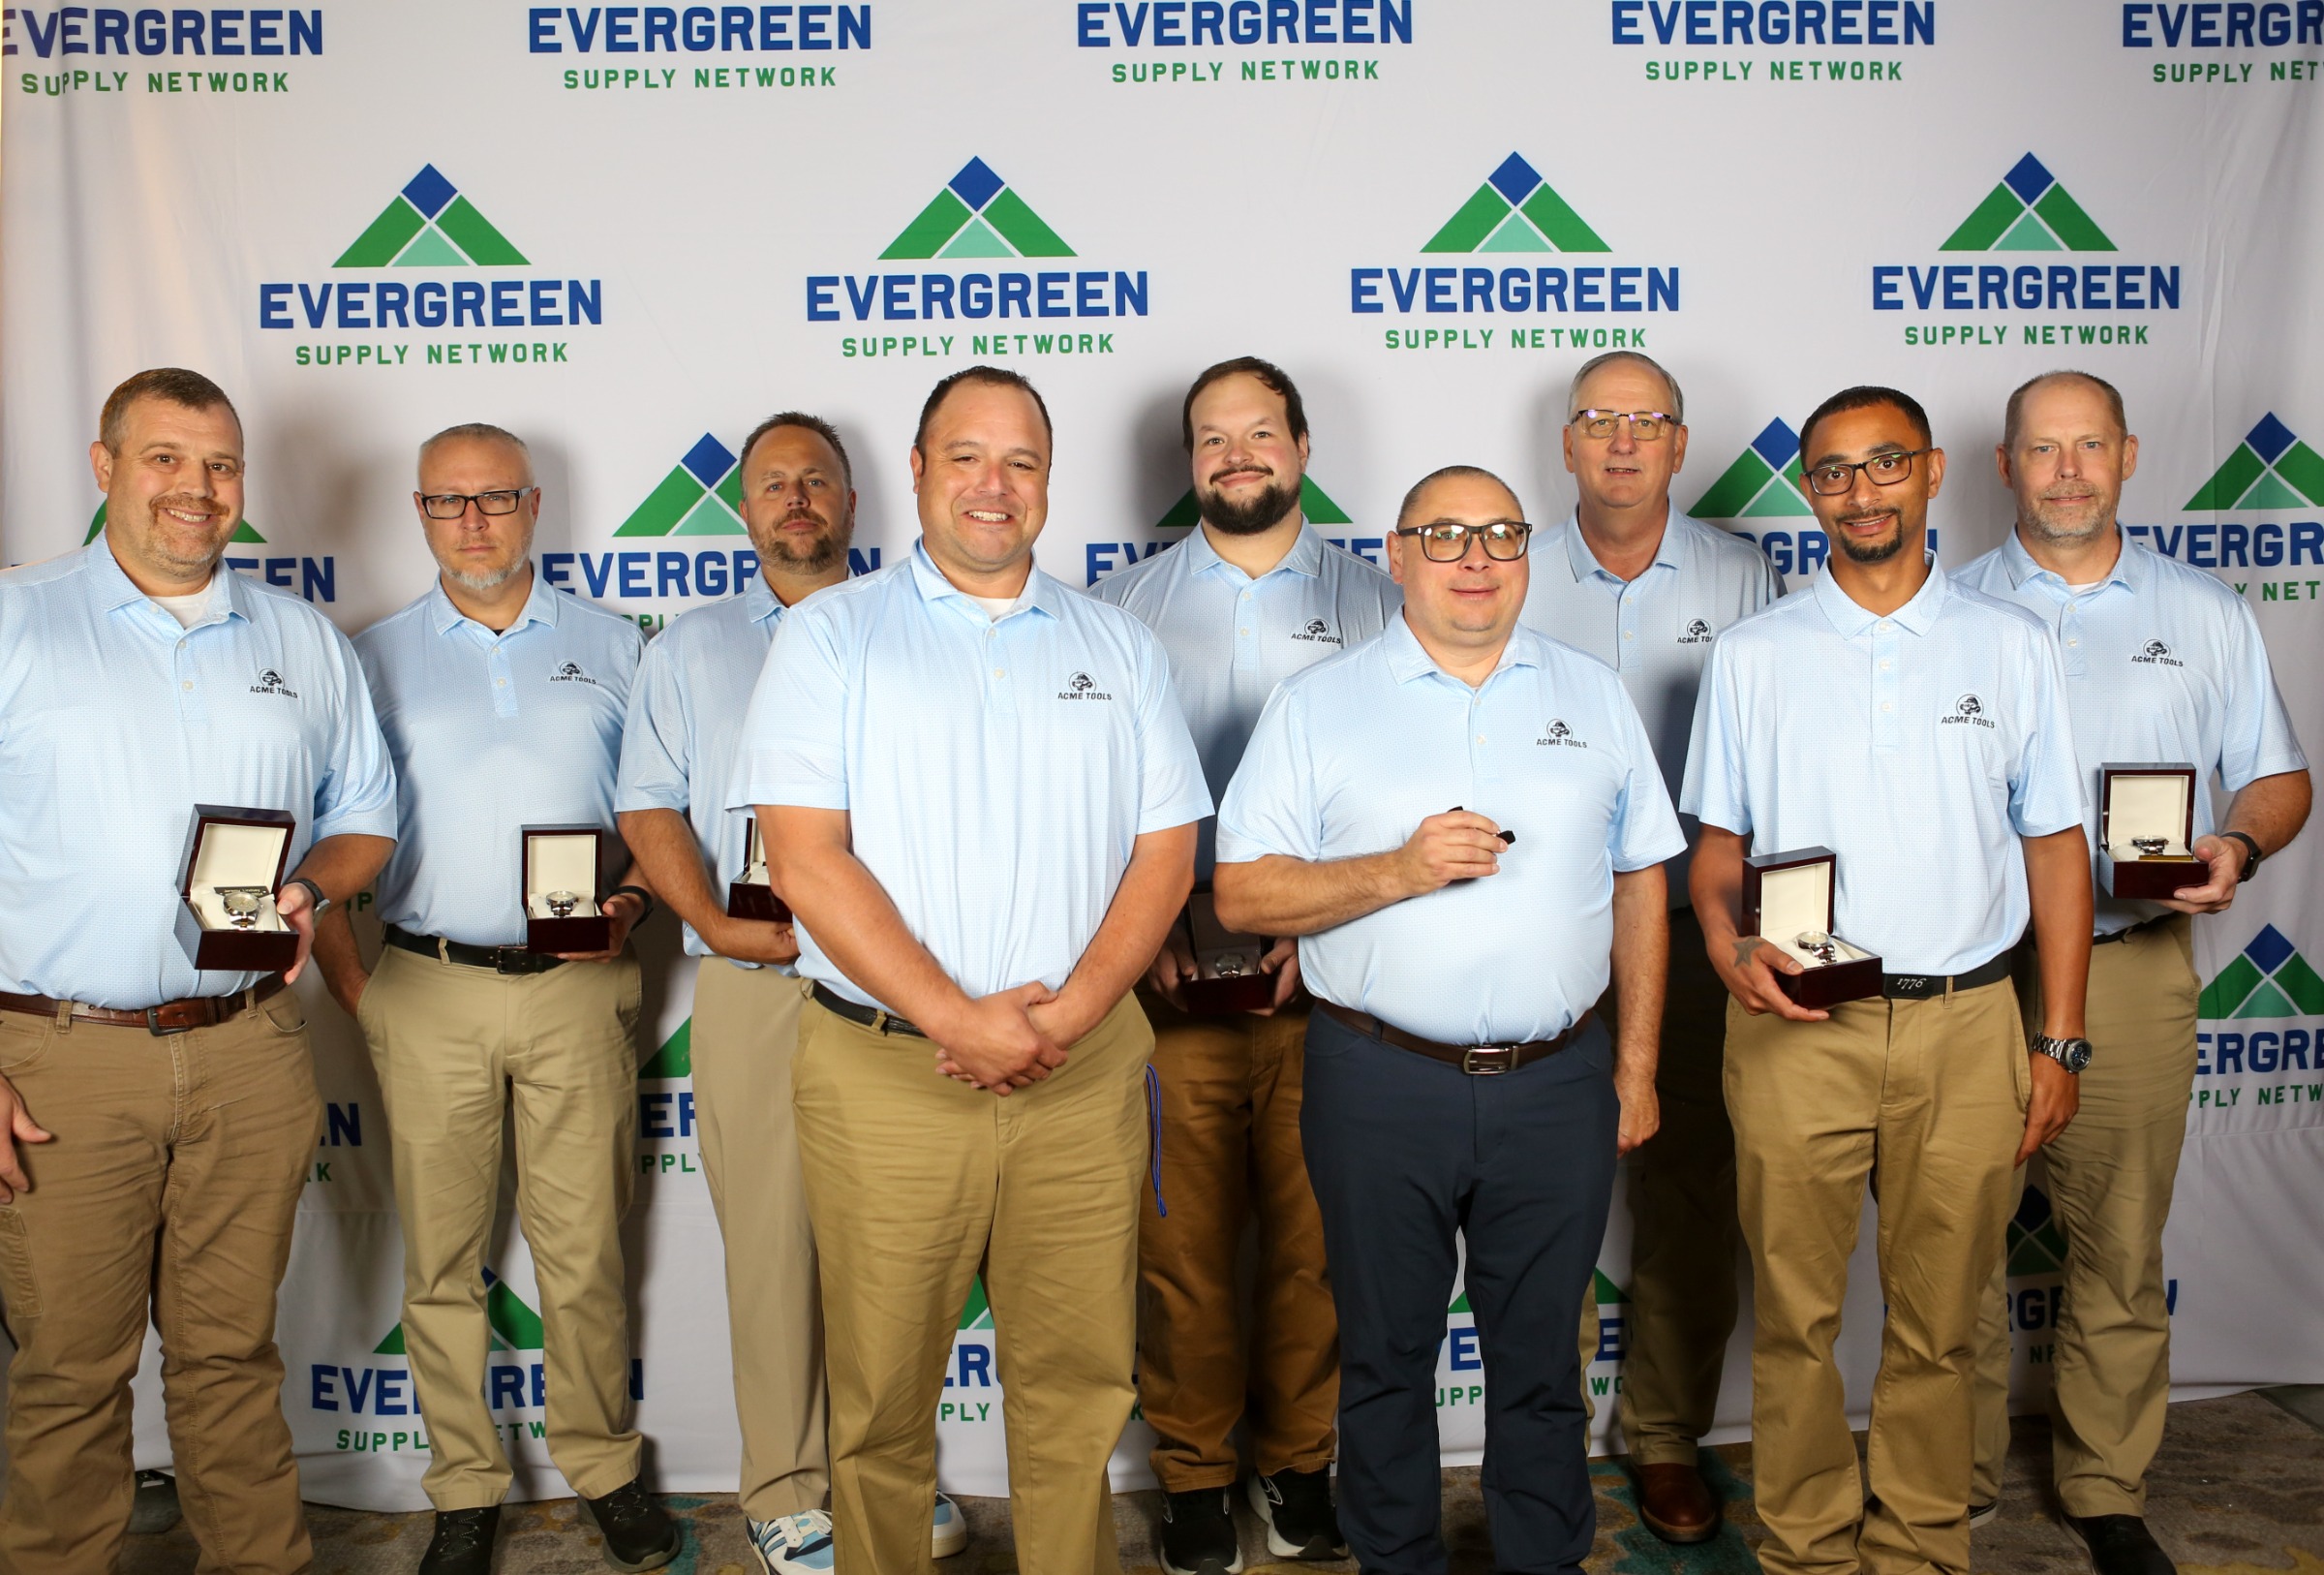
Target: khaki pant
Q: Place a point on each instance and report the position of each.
(1685, 1233)
(171, 1184)
(915, 1182)
(455, 1048)
(1926, 1100)
(746, 1034)
(2110, 1178)
(1230, 1152)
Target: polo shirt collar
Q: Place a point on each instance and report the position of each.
(114, 590)
(1041, 592)
(1305, 557)
(1920, 615)
(1407, 659)
(540, 607)
(760, 603)
(1585, 562)
(2129, 569)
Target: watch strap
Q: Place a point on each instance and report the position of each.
(318, 903)
(641, 894)
(2251, 853)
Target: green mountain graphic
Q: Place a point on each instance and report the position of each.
(2270, 469)
(976, 215)
(2029, 211)
(1515, 210)
(430, 225)
(2035, 1244)
(978, 1312)
(2267, 979)
(1314, 502)
(701, 496)
(675, 1058)
(243, 532)
(1762, 482)
(516, 1327)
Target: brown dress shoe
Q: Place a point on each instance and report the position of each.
(1676, 1503)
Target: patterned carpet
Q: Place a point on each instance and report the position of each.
(2238, 1489)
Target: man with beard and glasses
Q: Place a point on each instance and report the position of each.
(685, 714)
(1252, 596)
(2162, 663)
(503, 702)
(1918, 730)
(157, 1121)
(1644, 589)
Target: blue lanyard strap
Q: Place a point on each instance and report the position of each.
(1153, 1107)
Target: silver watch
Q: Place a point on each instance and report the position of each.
(2072, 1054)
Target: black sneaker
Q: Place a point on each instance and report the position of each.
(1983, 1514)
(1198, 1533)
(2122, 1545)
(639, 1533)
(1296, 1507)
(463, 1542)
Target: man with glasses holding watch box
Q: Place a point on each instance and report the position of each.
(1461, 820)
(1646, 589)
(1918, 730)
(502, 705)
(2162, 663)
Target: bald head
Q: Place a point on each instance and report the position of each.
(1421, 505)
(2014, 417)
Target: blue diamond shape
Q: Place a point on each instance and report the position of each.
(2028, 179)
(2269, 950)
(976, 184)
(1778, 445)
(707, 461)
(2270, 438)
(428, 190)
(1515, 179)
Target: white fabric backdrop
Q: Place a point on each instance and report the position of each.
(673, 220)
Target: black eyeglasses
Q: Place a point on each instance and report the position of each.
(452, 505)
(1448, 542)
(1886, 470)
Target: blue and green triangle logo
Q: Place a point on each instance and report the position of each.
(675, 1058)
(1314, 502)
(1515, 210)
(2267, 979)
(1606, 1293)
(976, 215)
(430, 225)
(2029, 211)
(243, 532)
(2035, 1244)
(978, 1312)
(1761, 483)
(2270, 469)
(516, 1327)
(701, 496)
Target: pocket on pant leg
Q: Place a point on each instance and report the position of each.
(19, 1287)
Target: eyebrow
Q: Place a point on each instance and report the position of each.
(1891, 447)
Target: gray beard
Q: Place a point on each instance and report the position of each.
(2057, 537)
(483, 583)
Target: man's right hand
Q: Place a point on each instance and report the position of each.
(16, 1126)
(995, 1046)
(1171, 964)
(347, 987)
(1747, 967)
(1457, 844)
(754, 940)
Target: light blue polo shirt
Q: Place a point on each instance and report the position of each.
(115, 722)
(1233, 639)
(1655, 630)
(492, 733)
(685, 715)
(2162, 663)
(1919, 747)
(996, 772)
(1354, 753)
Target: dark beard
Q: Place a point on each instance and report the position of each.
(827, 551)
(1261, 513)
(1877, 553)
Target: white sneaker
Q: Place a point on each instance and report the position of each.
(793, 1544)
(948, 1534)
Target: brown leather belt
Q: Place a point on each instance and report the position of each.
(170, 1017)
(1477, 1059)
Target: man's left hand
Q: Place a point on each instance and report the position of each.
(2226, 861)
(622, 909)
(1282, 960)
(2057, 1095)
(298, 912)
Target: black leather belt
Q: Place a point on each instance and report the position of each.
(871, 1017)
(1477, 1059)
(500, 959)
(2140, 928)
(1929, 986)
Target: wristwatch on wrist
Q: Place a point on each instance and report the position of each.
(645, 901)
(2251, 853)
(318, 904)
(2072, 1054)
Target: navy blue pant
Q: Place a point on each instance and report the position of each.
(1403, 1152)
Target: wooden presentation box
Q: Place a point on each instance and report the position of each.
(1789, 895)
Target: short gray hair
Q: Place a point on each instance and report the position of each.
(1678, 399)
(478, 432)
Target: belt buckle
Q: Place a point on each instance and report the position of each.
(1472, 1063)
(511, 960)
(153, 1024)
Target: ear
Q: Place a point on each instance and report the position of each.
(100, 466)
(919, 467)
(1935, 462)
(1678, 448)
(2129, 456)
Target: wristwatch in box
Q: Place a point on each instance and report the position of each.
(559, 870)
(232, 867)
(751, 896)
(1227, 976)
(2147, 830)
(1787, 902)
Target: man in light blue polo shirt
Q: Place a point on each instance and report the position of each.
(503, 703)
(2162, 663)
(1252, 596)
(1646, 589)
(1918, 731)
(980, 800)
(157, 1121)
(1461, 820)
